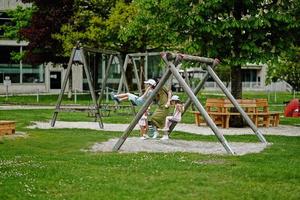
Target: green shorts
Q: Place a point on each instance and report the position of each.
(158, 118)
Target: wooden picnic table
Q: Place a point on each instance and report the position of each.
(220, 110)
(7, 127)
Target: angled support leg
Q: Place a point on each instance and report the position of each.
(58, 104)
(92, 90)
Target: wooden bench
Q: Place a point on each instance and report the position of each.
(212, 106)
(220, 112)
(264, 116)
(7, 127)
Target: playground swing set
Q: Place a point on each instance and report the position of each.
(173, 61)
(78, 54)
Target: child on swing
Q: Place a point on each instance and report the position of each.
(176, 117)
(143, 124)
(136, 100)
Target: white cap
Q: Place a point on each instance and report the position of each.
(151, 82)
(175, 98)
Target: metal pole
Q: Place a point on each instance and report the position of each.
(201, 109)
(63, 88)
(75, 96)
(107, 95)
(138, 82)
(92, 90)
(141, 111)
(125, 82)
(144, 54)
(6, 93)
(189, 57)
(21, 66)
(104, 79)
(146, 67)
(123, 76)
(186, 78)
(37, 96)
(236, 105)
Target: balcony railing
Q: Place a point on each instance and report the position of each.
(10, 4)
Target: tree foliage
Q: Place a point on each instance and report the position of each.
(287, 69)
(101, 24)
(238, 32)
(20, 18)
(46, 21)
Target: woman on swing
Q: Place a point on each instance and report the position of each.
(136, 100)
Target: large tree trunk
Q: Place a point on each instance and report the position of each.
(236, 81)
(236, 90)
(95, 68)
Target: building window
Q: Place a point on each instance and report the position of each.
(10, 70)
(249, 75)
(33, 74)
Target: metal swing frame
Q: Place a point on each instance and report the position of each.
(134, 57)
(172, 60)
(78, 50)
(105, 78)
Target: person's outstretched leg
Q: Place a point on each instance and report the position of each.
(121, 96)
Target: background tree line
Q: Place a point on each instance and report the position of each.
(237, 32)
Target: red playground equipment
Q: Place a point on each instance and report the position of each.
(292, 109)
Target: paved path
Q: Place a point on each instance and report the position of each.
(190, 128)
(25, 107)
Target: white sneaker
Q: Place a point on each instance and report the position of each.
(165, 137)
(144, 137)
(155, 135)
(165, 129)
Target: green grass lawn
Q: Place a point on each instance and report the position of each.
(85, 99)
(52, 164)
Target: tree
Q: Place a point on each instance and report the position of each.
(100, 24)
(20, 18)
(287, 69)
(47, 20)
(238, 32)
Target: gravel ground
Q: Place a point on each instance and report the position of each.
(135, 144)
